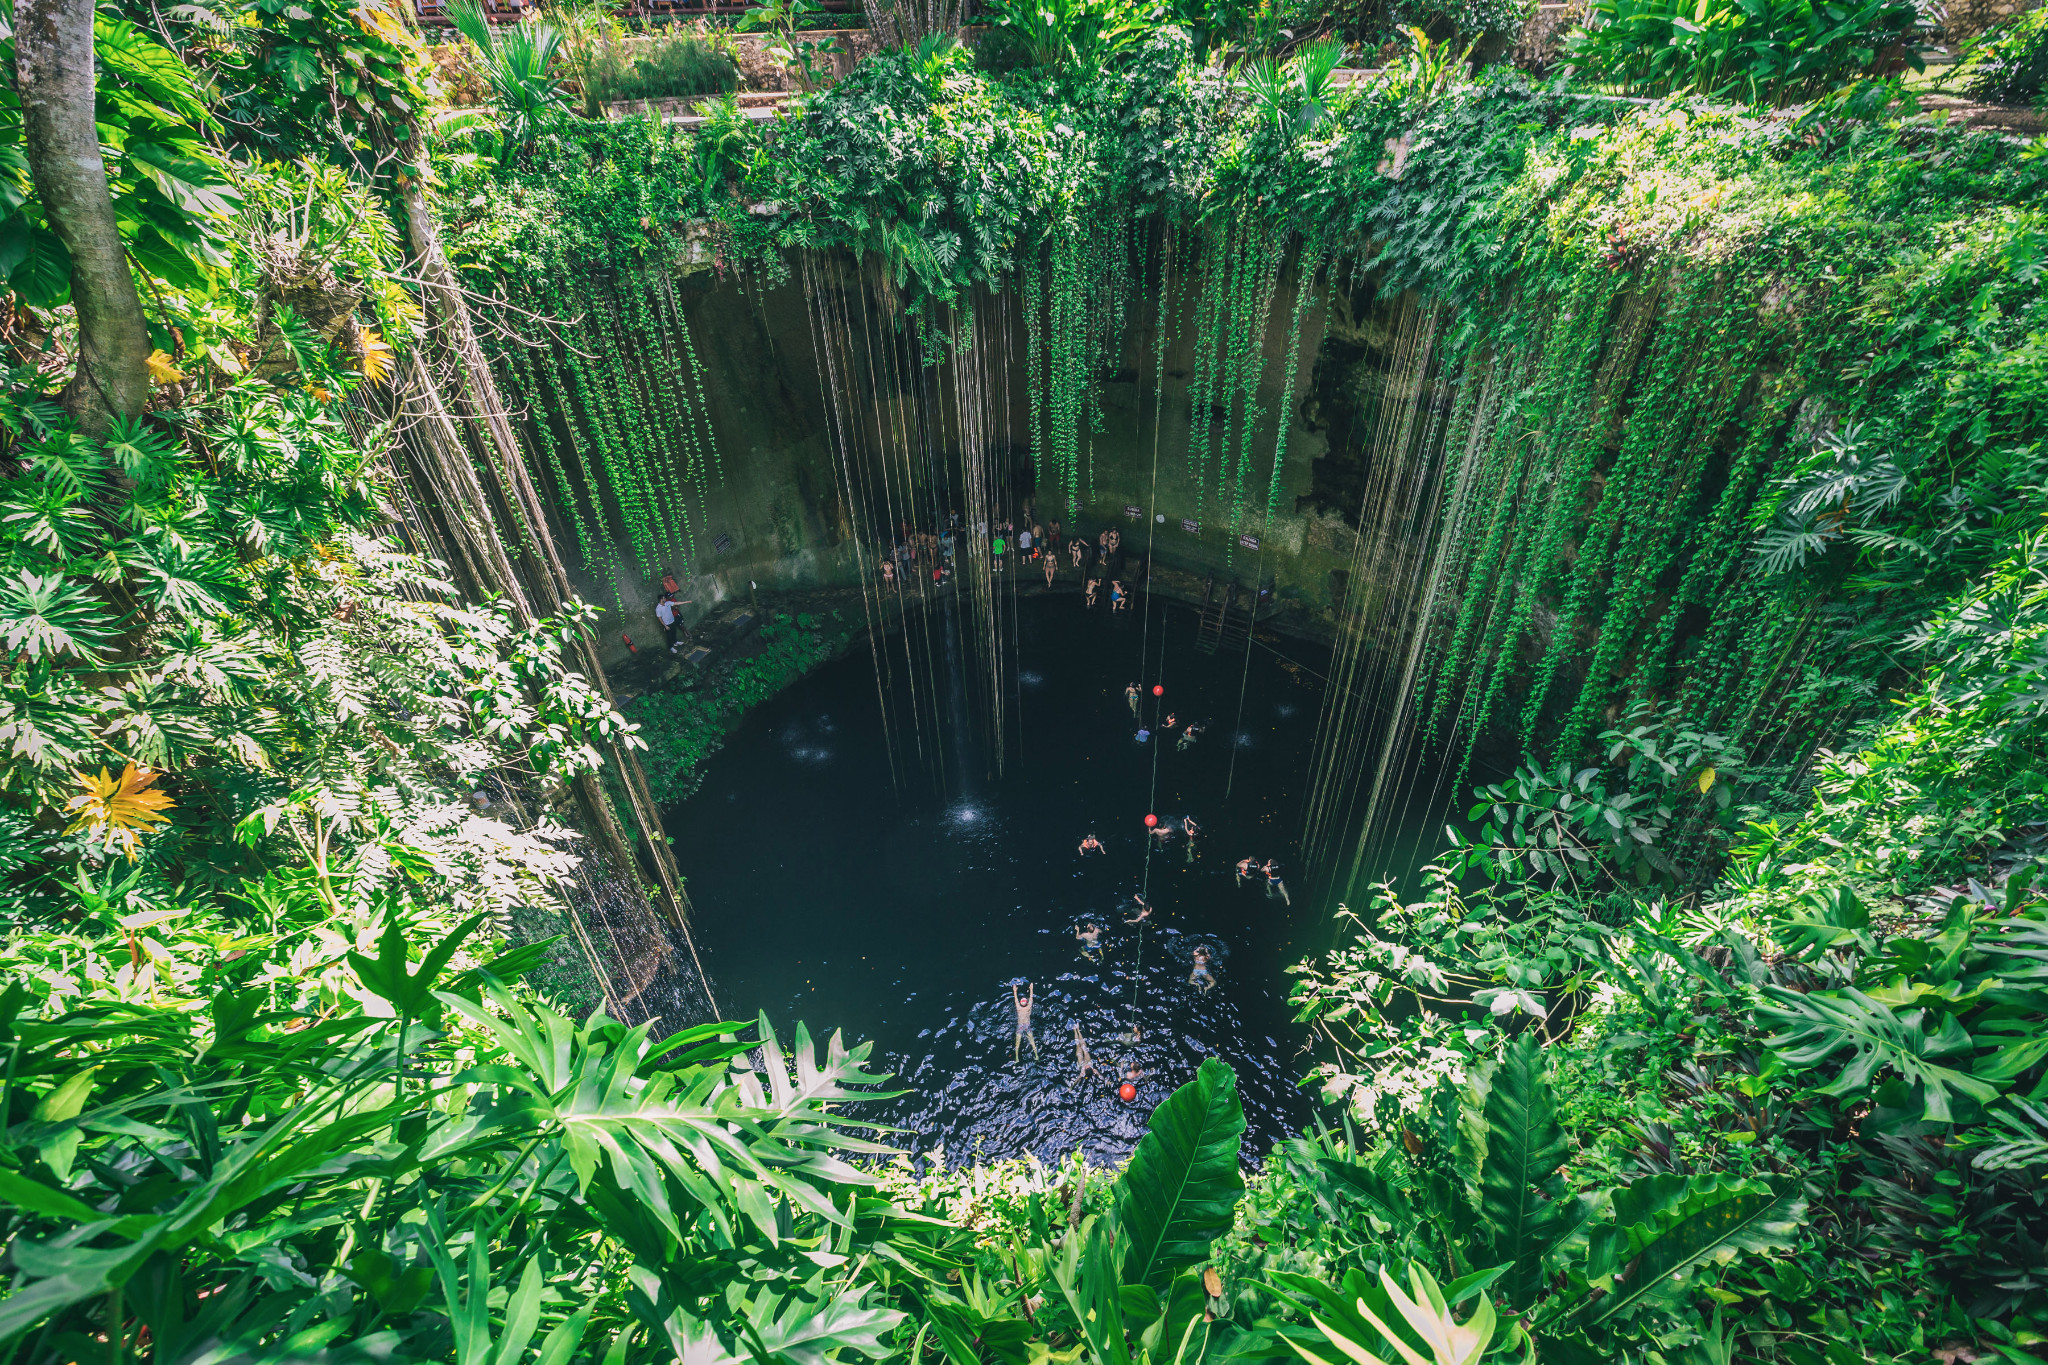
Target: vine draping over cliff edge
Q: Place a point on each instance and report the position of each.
(1739, 398)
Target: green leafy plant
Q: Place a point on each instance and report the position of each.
(1080, 36)
(2007, 62)
(518, 59)
(1774, 52)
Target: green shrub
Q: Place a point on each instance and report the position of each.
(652, 66)
(2007, 63)
(1774, 52)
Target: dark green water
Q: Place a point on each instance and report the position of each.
(823, 893)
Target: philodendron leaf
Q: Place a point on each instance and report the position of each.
(1817, 1026)
(1181, 1189)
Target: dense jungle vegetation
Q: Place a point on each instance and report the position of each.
(1717, 1035)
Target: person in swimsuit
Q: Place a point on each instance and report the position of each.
(1118, 598)
(1074, 550)
(1144, 911)
(1187, 736)
(1091, 844)
(1171, 721)
(1051, 567)
(1200, 978)
(1084, 1065)
(1245, 867)
(1131, 698)
(1090, 936)
(1163, 832)
(1023, 1004)
(1190, 829)
(1275, 886)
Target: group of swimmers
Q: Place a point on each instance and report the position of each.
(1276, 889)
(915, 551)
(1084, 1062)
(1188, 734)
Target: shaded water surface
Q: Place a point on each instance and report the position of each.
(822, 893)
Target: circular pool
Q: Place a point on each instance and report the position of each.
(904, 911)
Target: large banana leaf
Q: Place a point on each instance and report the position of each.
(1181, 1189)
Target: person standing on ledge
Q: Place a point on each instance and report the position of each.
(1023, 1004)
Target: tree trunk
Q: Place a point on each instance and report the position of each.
(53, 59)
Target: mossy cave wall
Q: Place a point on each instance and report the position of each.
(778, 511)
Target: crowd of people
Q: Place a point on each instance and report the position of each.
(1015, 545)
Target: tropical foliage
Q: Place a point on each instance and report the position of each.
(1717, 1034)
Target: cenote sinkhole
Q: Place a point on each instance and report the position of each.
(823, 894)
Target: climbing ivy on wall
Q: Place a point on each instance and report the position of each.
(1656, 321)
(1076, 307)
(619, 383)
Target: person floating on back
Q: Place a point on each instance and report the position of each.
(1201, 978)
(1023, 1004)
(1084, 1065)
(1144, 911)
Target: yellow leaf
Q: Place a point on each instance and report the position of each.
(1705, 779)
(1212, 1283)
(377, 357)
(161, 370)
(115, 809)
(319, 394)
(378, 20)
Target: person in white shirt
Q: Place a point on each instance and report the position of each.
(665, 612)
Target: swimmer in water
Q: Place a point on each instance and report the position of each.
(1275, 886)
(1091, 844)
(1170, 721)
(1131, 696)
(1084, 1065)
(1245, 867)
(1023, 1004)
(1090, 936)
(1144, 911)
(1200, 977)
(1163, 832)
(1188, 827)
(1131, 1072)
(1187, 736)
